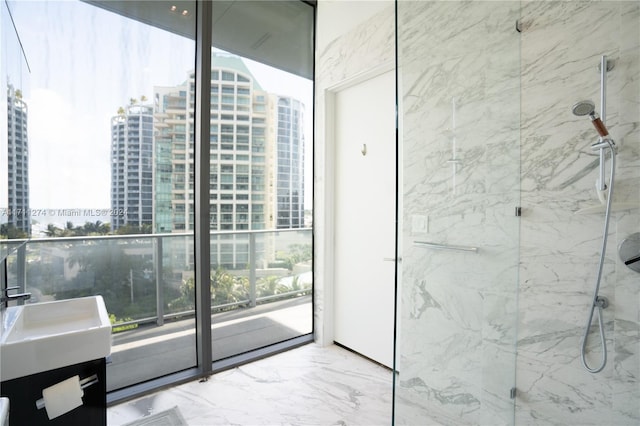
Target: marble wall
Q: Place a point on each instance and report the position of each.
(562, 43)
(486, 125)
(459, 69)
(470, 321)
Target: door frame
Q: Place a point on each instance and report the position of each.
(329, 223)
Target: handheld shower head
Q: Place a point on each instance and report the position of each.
(583, 108)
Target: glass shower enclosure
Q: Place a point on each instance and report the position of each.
(459, 95)
(500, 223)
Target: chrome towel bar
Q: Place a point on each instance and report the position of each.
(436, 246)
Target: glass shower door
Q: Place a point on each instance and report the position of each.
(459, 101)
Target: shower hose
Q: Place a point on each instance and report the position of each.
(600, 302)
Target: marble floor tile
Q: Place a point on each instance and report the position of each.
(310, 385)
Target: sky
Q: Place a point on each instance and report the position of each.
(84, 64)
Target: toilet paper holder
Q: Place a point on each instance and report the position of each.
(84, 383)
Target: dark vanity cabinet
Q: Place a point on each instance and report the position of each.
(23, 392)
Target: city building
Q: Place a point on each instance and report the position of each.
(238, 174)
(18, 214)
(170, 156)
(256, 155)
(132, 166)
(289, 164)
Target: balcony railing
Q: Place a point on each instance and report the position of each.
(149, 278)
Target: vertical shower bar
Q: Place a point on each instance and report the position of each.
(603, 115)
(603, 89)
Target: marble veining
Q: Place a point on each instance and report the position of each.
(474, 325)
(458, 309)
(559, 249)
(517, 145)
(309, 385)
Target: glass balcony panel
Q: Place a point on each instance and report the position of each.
(261, 286)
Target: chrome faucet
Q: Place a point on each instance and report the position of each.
(6, 297)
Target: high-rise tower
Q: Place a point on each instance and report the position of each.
(238, 174)
(132, 166)
(18, 161)
(256, 159)
(289, 164)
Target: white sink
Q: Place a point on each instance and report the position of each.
(44, 336)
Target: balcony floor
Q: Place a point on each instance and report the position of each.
(310, 385)
(150, 351)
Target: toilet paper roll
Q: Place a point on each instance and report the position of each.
(62, 397)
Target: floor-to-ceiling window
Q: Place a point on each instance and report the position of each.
(107, 158)
(260, 152)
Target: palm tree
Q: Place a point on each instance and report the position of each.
(267, 285)
(227, 288)
(69, 230)
(104, 229)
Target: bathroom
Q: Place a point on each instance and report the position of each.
(493, 162)
(491, 86)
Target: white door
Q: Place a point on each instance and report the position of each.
(365, 217)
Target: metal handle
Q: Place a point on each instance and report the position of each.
(629, 251)
(391, 259)
(436, 246)
(632, 260)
